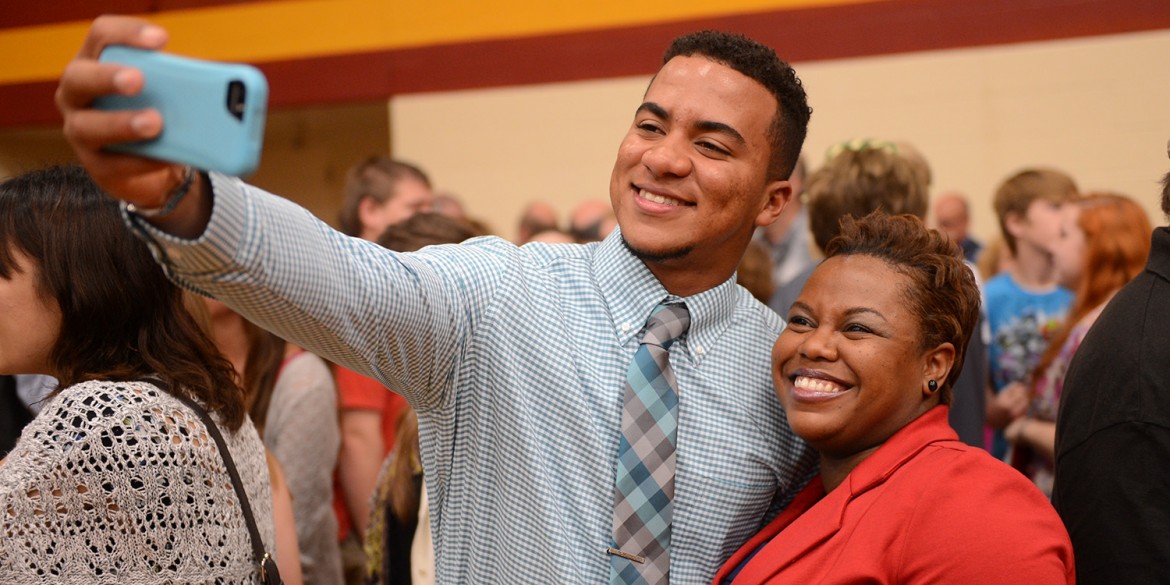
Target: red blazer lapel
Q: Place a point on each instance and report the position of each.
(814, 517)
(804, 507)
(816, 522)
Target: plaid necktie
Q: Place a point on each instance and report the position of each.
(644, 488)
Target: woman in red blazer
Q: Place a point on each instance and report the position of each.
(864, 371)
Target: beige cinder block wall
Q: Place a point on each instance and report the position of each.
(1098, 107)
(307, 151)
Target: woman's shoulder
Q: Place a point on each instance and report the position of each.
(140, 456)
(966, 490)
(305, 377)
(97, 403)
(129, 414)
(969, 515)
(104, 428)
(960, 470)
(133, 390)
(302, 363)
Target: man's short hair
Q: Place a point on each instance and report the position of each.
(1166, 195)
(1018, 192)
(374, 177)
(759, 62)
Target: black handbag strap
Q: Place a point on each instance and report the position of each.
(213, 430)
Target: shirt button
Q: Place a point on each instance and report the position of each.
(626, 327)
(699, 350)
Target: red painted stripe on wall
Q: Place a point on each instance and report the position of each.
(896, 26)
(17, 13)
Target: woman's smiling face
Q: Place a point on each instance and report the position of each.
(849, 368)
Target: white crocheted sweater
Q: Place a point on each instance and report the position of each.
(119, 482)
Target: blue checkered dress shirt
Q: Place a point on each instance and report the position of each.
(515, 358)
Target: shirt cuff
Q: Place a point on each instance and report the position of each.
(215, 248)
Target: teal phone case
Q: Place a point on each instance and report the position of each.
(213, 113)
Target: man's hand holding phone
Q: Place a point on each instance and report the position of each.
(137, 180)
(97, 134)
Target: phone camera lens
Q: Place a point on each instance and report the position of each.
(236, 96)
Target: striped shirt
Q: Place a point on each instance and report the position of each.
(515, 359)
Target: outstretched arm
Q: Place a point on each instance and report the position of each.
(400, 318)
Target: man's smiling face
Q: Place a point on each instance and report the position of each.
(690, 181)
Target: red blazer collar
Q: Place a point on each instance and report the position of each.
(822, 514)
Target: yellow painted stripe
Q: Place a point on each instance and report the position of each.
(291, 29)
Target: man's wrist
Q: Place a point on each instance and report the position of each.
(173, 199)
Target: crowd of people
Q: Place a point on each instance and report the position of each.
(740, 369)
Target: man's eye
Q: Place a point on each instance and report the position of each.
(713, 148)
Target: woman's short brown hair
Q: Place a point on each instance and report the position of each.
(942, 290)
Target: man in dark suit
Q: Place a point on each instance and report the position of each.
(1113, 432)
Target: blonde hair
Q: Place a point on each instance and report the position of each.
(858, 180)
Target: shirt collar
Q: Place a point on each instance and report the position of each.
(1159, 261)
(631, 292)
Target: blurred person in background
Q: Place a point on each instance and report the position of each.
(293, 403)
(755, 271)
(591, 221)
(1103, 244)
(537, 217)
(789, 246)
(952, 214)
(1025, 305)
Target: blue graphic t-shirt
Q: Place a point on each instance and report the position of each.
(1022, 322)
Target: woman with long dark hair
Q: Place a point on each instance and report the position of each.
(117, 479)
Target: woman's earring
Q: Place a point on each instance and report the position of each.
(932, 385)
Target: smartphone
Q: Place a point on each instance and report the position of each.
(213, 113)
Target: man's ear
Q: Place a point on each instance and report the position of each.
(1013, 222)
(777, 195)
(369, 210)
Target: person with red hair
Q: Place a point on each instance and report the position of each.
(1103, 244)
